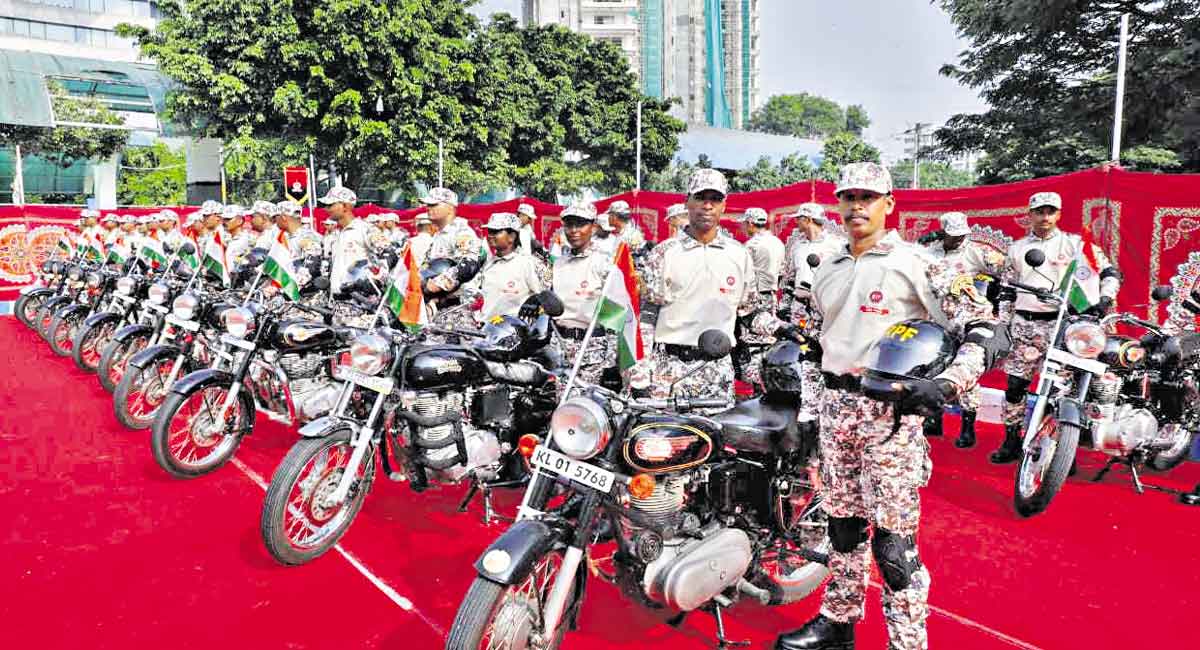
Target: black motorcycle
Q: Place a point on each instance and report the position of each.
(50, 279)
(438, 413)
(72, 286)
(703, 510)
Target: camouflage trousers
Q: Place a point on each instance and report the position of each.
(601, 353)
(714, 380)
(812, 391)
(869, 471)
(971, 399)
(1030, 340)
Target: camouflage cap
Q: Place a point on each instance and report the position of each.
(676, 210)
(812, 211)
(148, 218)
(264, 207)
(526, 210)
(375, 217)
(87, 213)
(581, 210)
(422, 219)
(605, 224)
(868, 176)
(618, 209)
(193, 218)
(756, 216)
(288, 208)
(390, 217)
(210, 207)
(440, 195)
(339, 195)
(1045, 198)
(111, 218)
(954, 224)
(503, 221)
(708, 179)
(127, 218)
(168, 215)
(233, 211)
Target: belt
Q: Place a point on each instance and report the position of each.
(682, 352)
(447, 303)
(573, 333)
(848, 383)
(1037, 315)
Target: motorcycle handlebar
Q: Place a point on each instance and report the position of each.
(681, 404)
(456, 332)
(1040, 293)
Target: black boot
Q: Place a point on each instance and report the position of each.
(966, 437)
(1191, 498)
(818, 634)
(933, 426)
(1010, 449)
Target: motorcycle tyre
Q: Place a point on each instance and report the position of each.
(279, 490)
(160, 431)
(27, 304)
(81, 337)
(121, 397)
(109, 355)
(72, 322)
(1056, 474)
(479, 607)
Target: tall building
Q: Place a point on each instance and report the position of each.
(78, 28)
(704, 52)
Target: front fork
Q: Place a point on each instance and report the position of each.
(1083, 382)
(556, 602)
(361, 440)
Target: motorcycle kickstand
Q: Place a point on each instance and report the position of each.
(1107, 468)
(462, 505)
(722, 641)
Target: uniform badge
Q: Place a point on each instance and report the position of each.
(730, 280)
(876, 296)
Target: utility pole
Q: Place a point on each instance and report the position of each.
(914, 136)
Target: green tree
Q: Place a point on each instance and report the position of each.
(801, 115)
(856, 119)
(1047, 70)
(842, 149)
(673, 178)
(65, 144)
(934, 175)
(764, 174)
(154, 175)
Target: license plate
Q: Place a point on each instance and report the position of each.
(236, 342)
(1068, 359)
(124, 298)
(381, 385)
(158, 308)
(189, 325)
(582, 473)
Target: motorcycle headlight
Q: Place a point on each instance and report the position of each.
(159, 293)
(580, 428)
(184, 307)
(126, 285)
(1085, 340)
(93, 280)
(239, 322)
(370, 354)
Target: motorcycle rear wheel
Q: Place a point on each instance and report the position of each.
(89, 344)
(1169, 459)
(185, 438)
(311, 469)
(503, 617)
(115, 360)
(62, 333)
(1044, 467)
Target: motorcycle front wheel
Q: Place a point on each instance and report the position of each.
(89, 344)
(141, 392)
(41, 322)
(26, 308)
(189, 438)
(115, 360)
(510, 617)
(298, 522)
(1044, 466)
(63, 329)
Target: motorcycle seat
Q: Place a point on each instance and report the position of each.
(519, 374)
(759, 424)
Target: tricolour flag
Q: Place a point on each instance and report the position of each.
(152, 249)
(64, 246)
(93, 248)
(620, 308)
(280, 269)
(1085, 290)
(403, 297)
(214, 257)
(119, 252)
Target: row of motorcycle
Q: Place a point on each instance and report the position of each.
(684, 504)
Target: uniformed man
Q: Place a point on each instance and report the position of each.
(1032, 319)
(397, 235)
(262, 220)
(700, 280)
(579, 276)
(350, 243)
(809, 237)
(872, 462)
(237, 239)
(970, 258)
(527, 237)
(377, 233)
(620, 218)
(766, 252)
(453, 238)
(421, 241)
(303, 242)
(677, 218)
(330, 236)
(605, 241)
(508, 277)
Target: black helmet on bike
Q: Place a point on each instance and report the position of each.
(911, 349)
(505, 338)
(781, 365)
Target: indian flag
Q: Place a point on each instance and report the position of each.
(214, 257)
(189, 258)
(620, 308)
(1085, 290)
(64, 246)
(279, 267)
(93, 247)
(119, 252)
(152, 249)
(403, 297)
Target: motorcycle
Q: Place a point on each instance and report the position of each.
(74, 273)
(280, 366)
(703, 510)
(142, 296)
(51, 277)
(1136, 401)
(443, 413)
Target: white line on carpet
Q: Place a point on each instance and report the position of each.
(1011, 640)
(362, 569)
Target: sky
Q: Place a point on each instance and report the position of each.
(882, 54)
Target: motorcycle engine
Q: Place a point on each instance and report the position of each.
(437, 447)
(1127, 429)
(313, 393)
(690, 572)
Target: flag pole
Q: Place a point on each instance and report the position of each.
(639, 145)
(1118, 114)
(312, 189)
(587, 337)
(18, 186)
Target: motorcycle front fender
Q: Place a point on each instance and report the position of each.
(147, 357)
(130, 332)
(36, 291)
(99, 318)
(1070, 411)
(56, 302)
(514, 554)
(202, 378)
(67, 311)
(323, 427)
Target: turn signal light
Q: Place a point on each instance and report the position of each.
(641, 486)
(527, 444)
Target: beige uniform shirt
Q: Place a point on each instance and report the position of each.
(525, 239)
(507, 281)
(766, 250)
(398, 236)
(607, 245)
(349, 247)
(969, 258)
(1060, 249)
(579, 283)
(420, 243)
(795, 260)
(266, 239)
(457, 240)
(237, 247)
(699, 287)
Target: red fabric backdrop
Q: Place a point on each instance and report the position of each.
(1146, 222)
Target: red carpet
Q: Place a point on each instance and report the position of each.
(104, 550)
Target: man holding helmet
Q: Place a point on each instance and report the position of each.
(874, 459)
(1033, 319)
(350, 243)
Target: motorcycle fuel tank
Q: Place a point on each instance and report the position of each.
(303, 335)
(442, 365)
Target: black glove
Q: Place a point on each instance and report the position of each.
(784, 314)
(530, 309)
(1103, 307)
(926, 396)
(789, 332)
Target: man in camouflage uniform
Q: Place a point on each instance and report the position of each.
(421, 241)
(700, 280)
(579, 276)
(350, 245)
(508, 278)
(605, 241)
(527, 239)
(677, 218)
(766, 253)
(303, 242)
(873, 463)
(1031, 319)
(454, 239)
(620, 217)
(969, 258)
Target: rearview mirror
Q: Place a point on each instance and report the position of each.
(187, 248)
(1161, 292)
(321, 283)
(813, 260)
(1035, 257)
